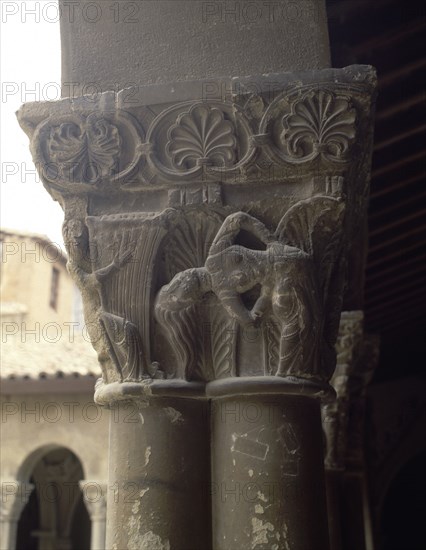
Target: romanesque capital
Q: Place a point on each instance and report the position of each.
(357, 357)
(207, 223)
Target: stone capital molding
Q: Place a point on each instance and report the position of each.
(95, 498)
(207, 223)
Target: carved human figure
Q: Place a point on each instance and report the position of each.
(285, 276)
(89, 284)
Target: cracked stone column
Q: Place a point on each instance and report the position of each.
(208, 218)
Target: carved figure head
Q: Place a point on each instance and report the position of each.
(237, 268)
(184, 290)
(75, 237)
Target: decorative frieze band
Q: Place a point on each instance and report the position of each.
(114, 143)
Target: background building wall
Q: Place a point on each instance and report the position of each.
(27, 265)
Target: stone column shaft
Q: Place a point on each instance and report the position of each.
(95, 499)
(161, 498)
(268, 475)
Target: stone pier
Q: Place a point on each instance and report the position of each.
(211, 191)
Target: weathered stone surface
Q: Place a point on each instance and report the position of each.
(208, 226)
(158, 485)
(226, 219)
(343, 419)
(267, 473)
(160, 41)
(335, 413)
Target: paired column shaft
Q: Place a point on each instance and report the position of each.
(268, 476)
(158, 475)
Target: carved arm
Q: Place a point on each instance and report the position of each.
(232, 225)
(234, 305)
(117, 263)
(263, 303)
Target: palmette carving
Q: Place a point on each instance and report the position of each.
(202, 136)
(111, 144)
(83, 149)
(320, 124)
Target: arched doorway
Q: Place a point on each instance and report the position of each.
(55, 517)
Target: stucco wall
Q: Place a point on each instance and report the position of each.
(31, 424)
(26, 269)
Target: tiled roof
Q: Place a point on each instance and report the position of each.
(22, 356)
(6, 233)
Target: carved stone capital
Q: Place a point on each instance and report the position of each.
(209, 234)
(343, 416)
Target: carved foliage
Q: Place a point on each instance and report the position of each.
(87, 151)
(319, 124)
(187, 246)
(94, 148)
(193, 140)
(201, 336)
(202, 136)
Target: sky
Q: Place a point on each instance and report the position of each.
(30, 70)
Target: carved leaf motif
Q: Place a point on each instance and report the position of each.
(190, 241)
(86, 153)
(202, 136)
(181, 328)
(320, 124)
(271, 335)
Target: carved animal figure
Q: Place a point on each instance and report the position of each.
(292, 291)
(288, 287)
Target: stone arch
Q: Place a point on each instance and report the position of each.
(56, 502)
(27, 466)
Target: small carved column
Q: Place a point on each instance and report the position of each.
(95, 499)
(355, 487)
(209, 235)
(335, 418)
(343, 425)
(14, 497)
